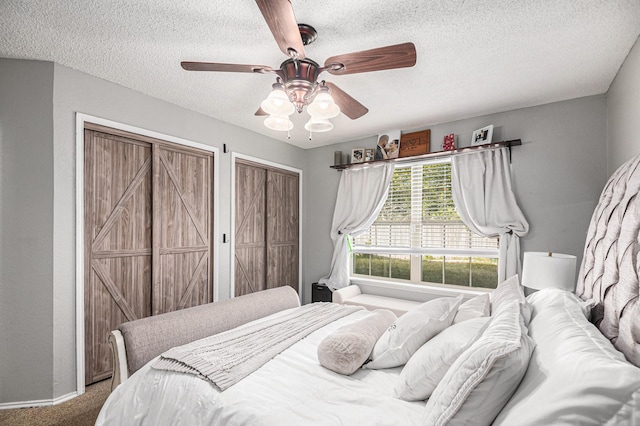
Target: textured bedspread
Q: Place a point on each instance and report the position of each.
(290, 389)
(226, 358)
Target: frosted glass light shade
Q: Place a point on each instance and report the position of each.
(318, 125)
(277, 103)
(278, 122)
(549, 270)
(323, 106)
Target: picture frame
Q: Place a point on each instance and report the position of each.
(388, 145)
(369, 154)
(482, 136)
(415, 143)
(357, 155)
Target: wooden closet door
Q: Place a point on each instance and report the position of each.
(267, 228)
(282, 229)
(117, 243)
(250, 232)
(148, 231)
(182, 205)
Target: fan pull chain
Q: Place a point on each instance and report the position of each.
(288, 135)
(310, 135)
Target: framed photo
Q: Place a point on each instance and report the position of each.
(482, 136)
(369, 154)
(388, 145)
(416, 143)
(357, 155)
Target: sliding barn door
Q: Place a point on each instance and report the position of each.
(117, 245)
(266, 228)
(250, 235)
(148, 226)
(282, 229)
(182, 208)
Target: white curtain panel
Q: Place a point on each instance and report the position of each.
(361, 194)
(481, 190)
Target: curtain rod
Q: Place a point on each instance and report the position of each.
(416, 158)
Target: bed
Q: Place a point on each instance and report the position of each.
(552, 358)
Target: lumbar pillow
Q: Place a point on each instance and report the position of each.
(483, 378)
(507, 291)
(347, 348)
(412, 330)
(477, 307)
(430, 363)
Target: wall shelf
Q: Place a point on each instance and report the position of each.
(464, 150)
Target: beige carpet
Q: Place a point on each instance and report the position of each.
(80, 411)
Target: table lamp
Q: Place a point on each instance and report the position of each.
(549, 270)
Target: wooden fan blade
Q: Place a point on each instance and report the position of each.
(348, 106)
(282, 23)
(212, 66)
(260, 111)
(383, 58)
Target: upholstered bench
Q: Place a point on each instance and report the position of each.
(351, 295)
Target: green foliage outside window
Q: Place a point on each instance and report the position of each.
(463, 271)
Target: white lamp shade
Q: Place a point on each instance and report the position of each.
(541, 270)
(318, 125)
(277, 103)
(278, 122)
(323, 106)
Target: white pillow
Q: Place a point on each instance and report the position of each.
(575, 376)
(481, 381)
(477, 307)
(430, 363)
(508, 290)
(412, 330)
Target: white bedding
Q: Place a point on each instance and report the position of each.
(575, 376)
(307, 394)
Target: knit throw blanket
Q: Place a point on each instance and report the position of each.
(226, 358)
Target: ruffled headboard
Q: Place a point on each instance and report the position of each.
(609, 270)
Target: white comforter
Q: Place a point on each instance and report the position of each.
(574, 377)
(291, 389)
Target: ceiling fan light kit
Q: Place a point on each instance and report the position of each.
(323, 105)
(284, 99)
(277, 103)
(297, 83)
(278, 122)
(318, 125)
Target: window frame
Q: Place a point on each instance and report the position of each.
(416, 253)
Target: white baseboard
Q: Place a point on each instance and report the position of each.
(38, 403)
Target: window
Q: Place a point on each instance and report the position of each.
(419, 237)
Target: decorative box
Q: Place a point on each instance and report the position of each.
(449, 143)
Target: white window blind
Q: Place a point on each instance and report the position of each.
(419, 217)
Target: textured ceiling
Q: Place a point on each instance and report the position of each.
(474, 57)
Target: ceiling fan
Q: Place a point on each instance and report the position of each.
(297, 85)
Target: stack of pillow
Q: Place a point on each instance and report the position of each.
(466, 358)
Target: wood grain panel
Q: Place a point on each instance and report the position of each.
(148, 232)
(282, 229)
(250, 224)
(117, 242)
(182, 229)
(267, 228)
(250, 269)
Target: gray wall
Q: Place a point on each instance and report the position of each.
(558, 174)
(38, 102)
(26, 233)
(623, 108)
